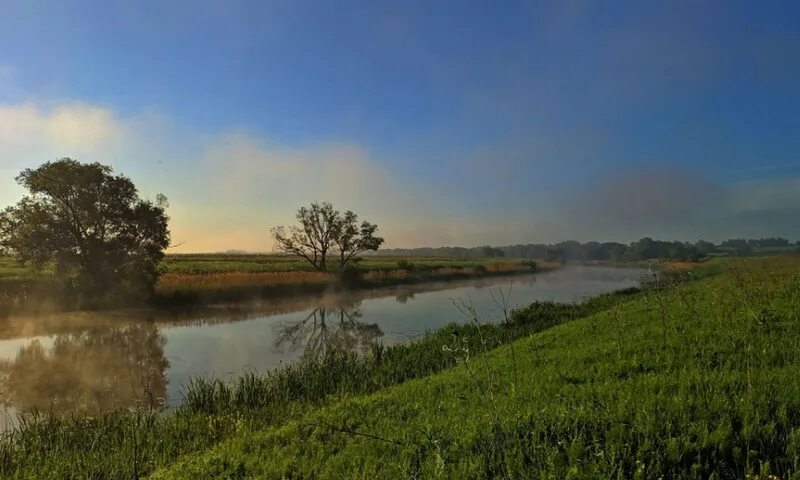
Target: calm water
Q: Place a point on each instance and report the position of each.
(94, 362)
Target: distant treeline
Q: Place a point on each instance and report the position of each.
(573, 251)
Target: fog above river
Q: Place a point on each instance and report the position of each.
(96, 362)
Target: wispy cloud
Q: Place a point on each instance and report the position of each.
(228, 188)
(682, 204)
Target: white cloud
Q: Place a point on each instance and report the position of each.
(30, 135)
(27, 130)
(82, 127)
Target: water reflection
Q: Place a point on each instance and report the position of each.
(27, 326)
(326, 330)
(93, 371)
(92, 362)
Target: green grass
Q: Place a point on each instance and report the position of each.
(699, 381)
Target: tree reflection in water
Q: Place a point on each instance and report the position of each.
(326, 330)
(91, 371)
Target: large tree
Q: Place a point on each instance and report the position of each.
(91, 226)
(321, 231)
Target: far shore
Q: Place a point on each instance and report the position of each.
(198, 281)
(189, 283)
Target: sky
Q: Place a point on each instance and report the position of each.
(446, 123)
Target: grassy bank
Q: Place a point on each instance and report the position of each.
(123, 444)
(693, 382)
(698, 381)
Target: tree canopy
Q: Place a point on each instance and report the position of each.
(322, 231)
(91, 226)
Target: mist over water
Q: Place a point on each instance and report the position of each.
(121, 360)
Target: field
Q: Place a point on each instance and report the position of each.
(221, 263)
(695, 378)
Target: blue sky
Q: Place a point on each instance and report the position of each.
(444, 122)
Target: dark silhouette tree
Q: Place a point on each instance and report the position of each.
(91, 226)
(322, 231)
(353, 239)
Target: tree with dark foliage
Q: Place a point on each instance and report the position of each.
(91, 226)
(353, 239)
(323, 230)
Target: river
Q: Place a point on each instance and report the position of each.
(92, 362)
